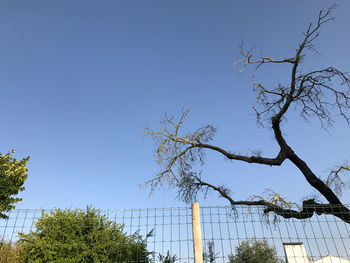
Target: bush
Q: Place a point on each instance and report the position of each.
(80, 236)
(254, 251)
(9, 252)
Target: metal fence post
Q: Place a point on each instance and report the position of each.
(197, 234)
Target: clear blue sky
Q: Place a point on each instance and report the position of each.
(80, 79)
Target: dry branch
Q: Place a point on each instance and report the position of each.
(312, 93)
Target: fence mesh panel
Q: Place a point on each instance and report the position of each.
(319, 239)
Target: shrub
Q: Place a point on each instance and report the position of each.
(80, 236)
(9, 252)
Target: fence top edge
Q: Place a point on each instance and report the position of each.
(119, 210)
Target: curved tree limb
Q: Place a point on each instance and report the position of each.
(311, 93)
(309, 207)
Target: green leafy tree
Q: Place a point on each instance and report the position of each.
(210, 256)
(80, 236)
(13, 174)
(254, 251)
(168, 258)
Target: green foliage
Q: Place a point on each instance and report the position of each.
(210, 256)
(9, 252)
(168, 258)
(13, 174)
(254, 251)
(80, 236)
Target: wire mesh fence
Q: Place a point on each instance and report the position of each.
(307, 240)
(165, 235)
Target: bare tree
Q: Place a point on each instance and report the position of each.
(321, 93)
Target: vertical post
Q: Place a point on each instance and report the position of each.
(197, 234)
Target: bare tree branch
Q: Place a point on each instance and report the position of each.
(335, 180)
(276, 204)
(321, 93)
(177, 154)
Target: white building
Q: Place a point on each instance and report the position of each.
(331, 259)
(295, 253)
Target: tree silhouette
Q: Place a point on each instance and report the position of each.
(322, 93)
